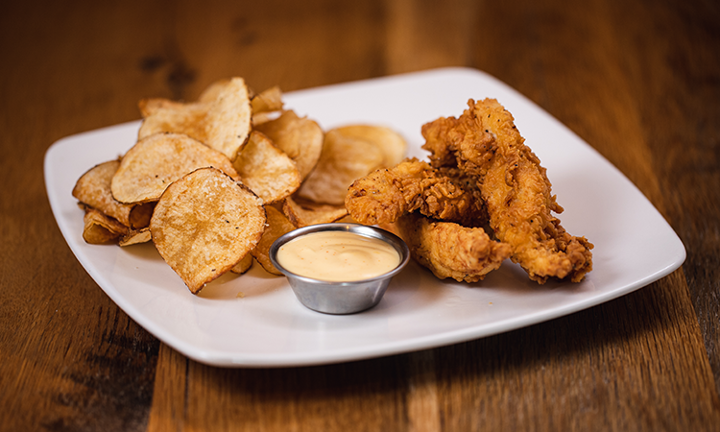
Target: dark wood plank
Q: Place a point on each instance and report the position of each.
(71, 360)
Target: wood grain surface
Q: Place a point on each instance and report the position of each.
(638, 80)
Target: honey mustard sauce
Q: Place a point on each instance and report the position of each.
(338, 256)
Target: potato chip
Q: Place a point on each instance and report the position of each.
(302, 212)
(262, 118)
(100, 228)
(204, 224)
(222, 123)
(93, 189)
(267, 101)
(342, 160)
(244, 265)
(391, 143)
(156, 106)
(278, 225)
(264, 105)
(299, 137)
(214, 90)
(163, 115)
(156, 161)
(136, 237)
(348, 153)
(266, 170)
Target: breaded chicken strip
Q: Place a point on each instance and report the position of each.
(485, 144)
(450, 250)
(386, 194)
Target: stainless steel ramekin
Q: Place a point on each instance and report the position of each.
(341, 297)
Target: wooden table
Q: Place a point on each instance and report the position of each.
(639, 81)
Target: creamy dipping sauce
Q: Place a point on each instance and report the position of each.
(338, 256)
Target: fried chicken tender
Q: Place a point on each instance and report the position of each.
(386, 194)
(484, 144)
(450, 250)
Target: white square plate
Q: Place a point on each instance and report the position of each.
(266, 326)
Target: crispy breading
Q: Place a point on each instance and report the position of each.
(386, 194)
(450, 250)
(484, 144)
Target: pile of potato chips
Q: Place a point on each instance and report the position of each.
(215, 182)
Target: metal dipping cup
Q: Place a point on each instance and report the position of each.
(341, 298)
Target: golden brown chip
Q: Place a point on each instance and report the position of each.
(266, 170)
(303, 212)
(214, 90)
(156, 161)
(268, 100)
(299, 137)
(152, 106)
(100, 228)
(278, 225)
(222, 123)
(262, 118)
(141, 214)
(264, 105)
(204, 224)
(391, 143)
(343, 159)
(136, 237)
(93, 189)
(244, 265)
